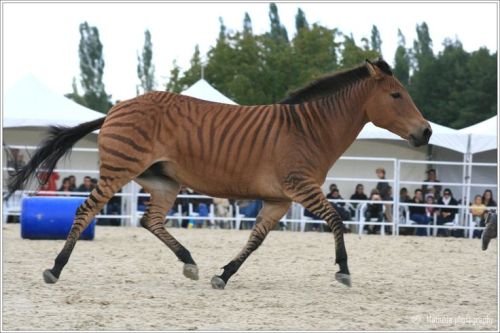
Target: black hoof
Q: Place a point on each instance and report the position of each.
(343, 278)
(190, 271)
(48, 277)
(217, 282)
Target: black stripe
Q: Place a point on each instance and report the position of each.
(98, 190)
(126, 141)
(112, 168)
(119, 154)
(296, 119)
(143, 133)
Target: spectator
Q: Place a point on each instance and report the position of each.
(72, 180)
(419, 214)
(332, 187)
(50, 183)
(358, 194)
(335, 195)
(142, 201)
(446, 214)
(429, 210)
(488, 201)
(478, 211)
(86, 186)
(374, 210)
(385, 192)
(434, 189)
(16, 162)
(184, 203)
(113, 207)
(223, 210)
(65, 187)
(403, 195)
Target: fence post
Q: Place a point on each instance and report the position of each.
(395, 197)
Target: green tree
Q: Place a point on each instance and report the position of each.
(221, 67)
(278, 31)
(173, 84)
(145, 67)
(301, 21)
(92, 69)
(402, 61)
(314, 54)
(353, 55)
(422, 47)
(376, 41)
(75, 95)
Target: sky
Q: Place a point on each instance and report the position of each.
(42, 39)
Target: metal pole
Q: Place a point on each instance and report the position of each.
(395, 197)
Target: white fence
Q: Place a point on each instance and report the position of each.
(295, 218)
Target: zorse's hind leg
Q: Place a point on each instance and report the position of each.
(85, 213)
(267, 219)
(163, 192)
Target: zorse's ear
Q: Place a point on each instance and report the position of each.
(374, 71)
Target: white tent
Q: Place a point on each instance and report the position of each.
(483, 135)
(31, 103)
(203, 90)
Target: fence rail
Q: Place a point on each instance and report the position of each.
(295, 221)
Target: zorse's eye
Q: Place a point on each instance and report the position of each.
(396, 95)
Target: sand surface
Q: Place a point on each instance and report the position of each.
(126, 279)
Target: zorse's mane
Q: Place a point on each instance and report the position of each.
(331, 83)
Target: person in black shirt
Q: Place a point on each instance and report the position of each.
(418, 214)
(446, 214)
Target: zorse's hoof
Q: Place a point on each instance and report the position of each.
(48, 277)
(345, 279)
(217, 282)
(190, 271)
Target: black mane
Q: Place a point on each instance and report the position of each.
(333, 82)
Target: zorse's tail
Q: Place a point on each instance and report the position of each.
(59, 142)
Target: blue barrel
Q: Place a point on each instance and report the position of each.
(51, 217)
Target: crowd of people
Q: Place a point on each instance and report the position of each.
(428, 202)
(432, 202)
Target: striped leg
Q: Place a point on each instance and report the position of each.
(315, 202)
(163, 192)
(267, 219)
(84, 215)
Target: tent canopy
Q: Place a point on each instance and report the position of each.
(30, 103)
(203, 90)
(483, 135)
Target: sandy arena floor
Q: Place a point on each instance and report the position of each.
(126, 279)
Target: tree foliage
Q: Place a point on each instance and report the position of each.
(91, 71)
(145, 67)
(454, 88)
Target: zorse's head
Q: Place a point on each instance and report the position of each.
(391, 107)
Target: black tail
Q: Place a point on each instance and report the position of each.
(59, 142)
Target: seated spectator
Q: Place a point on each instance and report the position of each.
(358, 194)
(488, 201)
(435, 190)
(419, 214)
(184, 203)
(72, 180)
(65, 187)
(446, 214)
(86, 186)
(478, 211)
(335, 195)
(374, 210)
(50, 183)
(113, 207)
(404, 196)
(142, 202)
(429, 210)
(332, 187)
(223, 210)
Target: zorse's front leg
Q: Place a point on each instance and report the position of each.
(312, 198)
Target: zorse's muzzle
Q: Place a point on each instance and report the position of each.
(421, 137)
